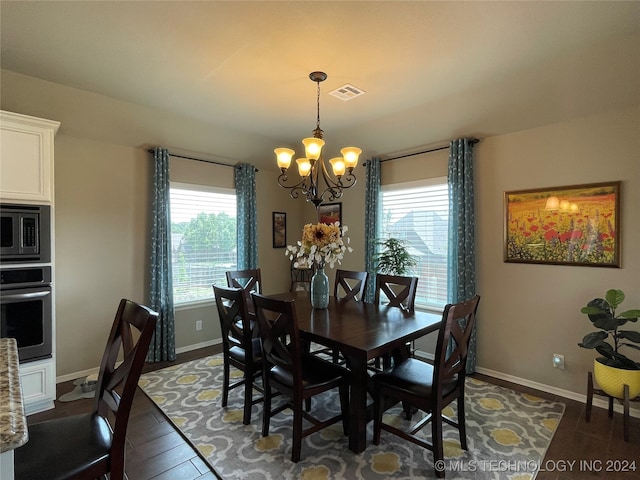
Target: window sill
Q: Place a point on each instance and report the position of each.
(209, 302)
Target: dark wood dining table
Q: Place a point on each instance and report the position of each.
(361, 331)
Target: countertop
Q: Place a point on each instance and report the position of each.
(13, 422)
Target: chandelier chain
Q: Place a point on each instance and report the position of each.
(318, 107)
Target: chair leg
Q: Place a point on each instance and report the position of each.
(377, 415)
(462, 426)
(225, 385)
(344, 407)
(436, 439)
(248, 397)
(266, 411)
(297, 432)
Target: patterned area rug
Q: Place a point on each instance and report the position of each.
(508, 433)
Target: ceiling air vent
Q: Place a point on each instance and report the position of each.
(347, 92)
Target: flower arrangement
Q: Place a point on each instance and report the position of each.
(320, 244)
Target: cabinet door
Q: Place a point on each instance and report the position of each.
(26, 158)
(38, 385)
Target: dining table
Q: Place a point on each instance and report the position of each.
(361, 332)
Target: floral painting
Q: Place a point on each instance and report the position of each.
(330, 213)
(573, 225)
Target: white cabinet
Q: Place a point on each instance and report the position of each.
(26, 177)
(26, 158)
(38, 385)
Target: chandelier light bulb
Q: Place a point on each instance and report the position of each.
(283, 157)
(338, 165)
(351, 155)
(313, 147)
(304, 166)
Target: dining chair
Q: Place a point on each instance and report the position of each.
(300, 277)
(395, 291)
(399, 291)
(428, 387)
(350, 285)
(295, 374)
(91, 445)
(247, 280)
(239, 347)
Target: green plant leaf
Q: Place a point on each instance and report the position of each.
(607, 323)
(624, 362)
(631, 315)
(593, 339)
(631, 335)
(605, 349)
(614, 297)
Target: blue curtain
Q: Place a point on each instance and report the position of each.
(371, 221)
(247, 219)
(163, 343)
(462, 247)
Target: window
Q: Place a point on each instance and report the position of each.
(418, 213)
(203, 239)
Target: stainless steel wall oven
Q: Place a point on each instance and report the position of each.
(26, 310)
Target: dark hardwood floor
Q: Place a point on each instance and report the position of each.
(579, 450)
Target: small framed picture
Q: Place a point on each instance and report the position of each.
(279, 221)
(572, 225)
(330, 213)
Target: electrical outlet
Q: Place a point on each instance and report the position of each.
(558, 361)
(198, 325)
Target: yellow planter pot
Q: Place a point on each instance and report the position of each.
(612, 380)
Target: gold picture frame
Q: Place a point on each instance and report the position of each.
(571, 225)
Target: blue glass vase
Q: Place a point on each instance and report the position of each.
(320, 289)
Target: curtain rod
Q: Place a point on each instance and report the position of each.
(199, 159)
(473, 141)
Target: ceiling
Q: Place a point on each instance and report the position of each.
(431, 71)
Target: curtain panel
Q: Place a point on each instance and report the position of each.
(371, 222)
(461, 248)
(163, 343)
(245, 182)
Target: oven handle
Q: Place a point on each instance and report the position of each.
(20, 296)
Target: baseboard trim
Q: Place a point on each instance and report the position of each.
(598, 401)
(196, 346)
(95, 370)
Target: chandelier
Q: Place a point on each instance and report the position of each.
(312, 168)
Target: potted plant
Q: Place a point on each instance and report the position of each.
(613, 369)
(394, 259)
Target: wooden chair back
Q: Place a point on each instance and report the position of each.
(399, 290)
(278, 329)
(452, 346)
(130, 317)
(350, 285)
(248, 280)
(234, 320)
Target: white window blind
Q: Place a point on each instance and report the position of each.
(418, 213)
(203, 239)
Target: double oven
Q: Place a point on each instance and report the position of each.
(26, 305)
